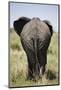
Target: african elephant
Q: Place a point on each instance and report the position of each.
(35, 38)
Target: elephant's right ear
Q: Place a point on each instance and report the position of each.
(49, 25)
(19, 24)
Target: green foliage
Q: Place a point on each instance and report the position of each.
(15, 46)
(14, 40)
(19, 65)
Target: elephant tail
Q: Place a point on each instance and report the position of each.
(35, 48)
(35, 41)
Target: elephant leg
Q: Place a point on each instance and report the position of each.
(42, 57)
(31, 64)
(30, 67)
(30, 57)
(30, 72)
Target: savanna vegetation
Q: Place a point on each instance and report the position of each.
(19, 65)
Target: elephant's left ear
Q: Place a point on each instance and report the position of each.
(19, 24)
(49, 25)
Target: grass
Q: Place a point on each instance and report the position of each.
(18, 63)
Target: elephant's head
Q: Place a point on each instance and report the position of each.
(19, 24)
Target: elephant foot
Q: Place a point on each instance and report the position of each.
(33, 77)
(36, 78)
(29, 78)
(42, 71)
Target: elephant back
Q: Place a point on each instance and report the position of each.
(35, 28)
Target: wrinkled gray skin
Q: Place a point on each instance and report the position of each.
(35, 38)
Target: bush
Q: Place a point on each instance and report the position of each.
(15, 46)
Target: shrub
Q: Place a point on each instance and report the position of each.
(15, 46)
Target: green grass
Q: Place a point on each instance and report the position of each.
(18, 63)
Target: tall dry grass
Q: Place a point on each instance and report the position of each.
(19, 65)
